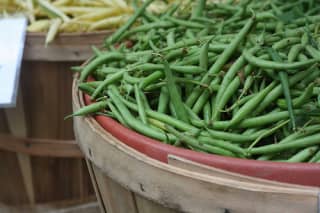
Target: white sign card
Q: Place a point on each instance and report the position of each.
(12, 38)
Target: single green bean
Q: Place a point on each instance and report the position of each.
(117, 35)
(89, 109)
(89, 68)
(303, 155)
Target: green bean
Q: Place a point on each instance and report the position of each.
(130, 79)
(108, 81)
(191, 113)
(141, 111)
(299, 143)
(207, 113)
(86, 88)
(222, 59)
(276, 65)
(204, 97)
(276, 92)
(222, 144)
(303, 155)
(170, 38)
(299, 101)
(315, 157)
(204, 54)
(86, 110)
(163, 100)
(236, 66)
(294, 52)
(267, 133)
(285, 42)
(198, 11)
(116, 113)
(98, 61)
(150, 79)
(247, 84)
(239, 102)
(170, 11)
(302, 57)
(175, 98)
(313, 52)
(134, 123)
(233, 137)
(186, 43)
(188, 24)
(116, 36)
(195, 143)
(283, 76)
(250, 105)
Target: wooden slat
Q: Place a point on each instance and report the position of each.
(146, 206)
(116, 198)
(40, 147)
(96, 187)
(72, 206)
(65, 47)
(18, 127)
(47, 99)
(12, 190)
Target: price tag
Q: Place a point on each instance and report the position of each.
(12, 38)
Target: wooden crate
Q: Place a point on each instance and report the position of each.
(126, 180)
(39, 159)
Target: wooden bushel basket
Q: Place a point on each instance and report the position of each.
(126, 180)
(39, 159)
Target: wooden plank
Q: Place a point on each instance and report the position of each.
(96, 188)
(116, 198)
(56, 179)
(41, 147)
(200, 168)
(3, 122)
(146, 206)
(47, 100)
(76, 206)
(12, 191)
(18, 127)
(65, 47)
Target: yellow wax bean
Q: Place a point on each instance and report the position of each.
(62, 2)
(51, 10)
(75, 26)
(39, 26)
(30, 6)
(53, 30)
(109, 23)
(89, 3)
(95, 16)
(78, 10)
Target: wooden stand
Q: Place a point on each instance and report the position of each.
(39, 159)
(128, 181)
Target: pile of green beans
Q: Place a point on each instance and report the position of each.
(238, 78)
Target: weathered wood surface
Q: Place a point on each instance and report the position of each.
(55, 175)
(40, 147)
(180, 189)
(65, 47)
(61, 207)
